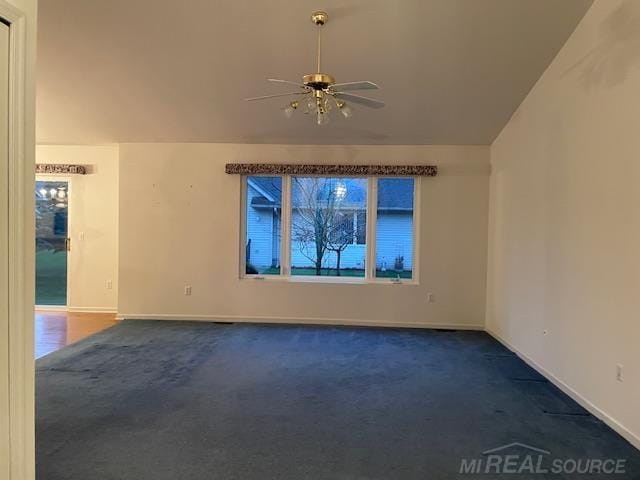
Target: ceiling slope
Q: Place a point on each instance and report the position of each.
(450, 71)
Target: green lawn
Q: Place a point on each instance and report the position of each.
(328, 272)
(393, 273)
(347, 272)
(51, 277)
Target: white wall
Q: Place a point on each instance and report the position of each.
(564, 249)
(93, 224)
(180, 222)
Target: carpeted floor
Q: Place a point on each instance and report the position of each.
(185, 401)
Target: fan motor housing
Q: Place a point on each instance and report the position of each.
(319, 18)
(318, 81)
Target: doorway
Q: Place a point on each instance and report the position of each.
(52, 242)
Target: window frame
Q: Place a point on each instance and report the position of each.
(370, 235)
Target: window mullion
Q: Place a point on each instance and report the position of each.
(372, 212)
(417, 200)
(285, 242)
(243, 226)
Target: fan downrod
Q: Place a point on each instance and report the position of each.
(318, 80)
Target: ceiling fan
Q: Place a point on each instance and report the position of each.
(319, 92)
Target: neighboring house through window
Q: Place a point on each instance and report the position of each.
(327, 227)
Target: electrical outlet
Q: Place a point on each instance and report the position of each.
(81, 235)
(109, 284)
(430, 298)
(620, 372)
(187, 290)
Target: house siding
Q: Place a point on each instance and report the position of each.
(260, 231)
(352, 257)
(395, 238)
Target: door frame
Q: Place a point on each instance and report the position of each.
(61, 178)
(21, 175)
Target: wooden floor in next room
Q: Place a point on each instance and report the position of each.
(57, 329)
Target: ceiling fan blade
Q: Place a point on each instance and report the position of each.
(286, 82)
(264, 97)
(344, 87)
(367, 102)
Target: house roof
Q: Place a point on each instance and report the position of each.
(270, 189)
(393, 193)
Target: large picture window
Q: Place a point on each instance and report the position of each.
(339, 228)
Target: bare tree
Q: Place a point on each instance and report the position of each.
(340, 235)
(315, 218)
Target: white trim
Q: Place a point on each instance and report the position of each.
(285, 228)
(295, 321)
(92, 310)
(242, 265)
(20, 334)
(328, 279)
(416, 228)
(372, 223)
(630, 436)
(51, 308)
(71, 309)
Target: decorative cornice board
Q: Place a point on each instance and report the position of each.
(355, 170)
(66, 169)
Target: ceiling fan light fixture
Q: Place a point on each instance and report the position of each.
(289, 109)
(318, 89)
(345, 110)
(322, 117)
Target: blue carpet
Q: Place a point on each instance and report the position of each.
(186, 401)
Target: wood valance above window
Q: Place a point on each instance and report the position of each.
(344, 170)
(57, 168)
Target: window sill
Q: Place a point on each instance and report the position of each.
(327, 280)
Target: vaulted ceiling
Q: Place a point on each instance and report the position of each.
(450, 71)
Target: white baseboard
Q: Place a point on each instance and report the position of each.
(294, 320)
(91, 310)
(630, 436)
(51, 308)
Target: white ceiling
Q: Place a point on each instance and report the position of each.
(450, 71)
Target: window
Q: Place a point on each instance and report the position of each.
(394, 228)
(263, 223)
(318, 227)
(323, 212)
